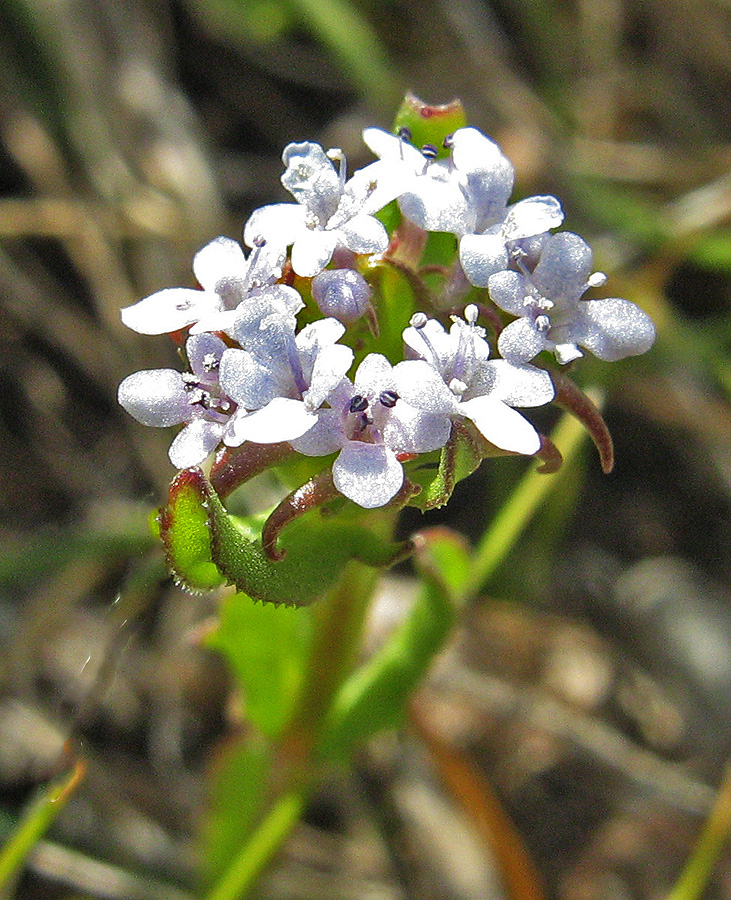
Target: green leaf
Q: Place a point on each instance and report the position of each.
(713, 251)
(459, 458)
(237, 791)
(205, 547)
(394, 299)
(341, 27)
(443, 556)
(267, 648)
(374, 698)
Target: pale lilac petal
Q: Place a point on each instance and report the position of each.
(368, 474)
(377, 184)
(313, 250)
(364, 234)
(246, 379)
(393, 149)
(281, 419)
(532, 216)
(488, 173)
(223, 321)
(222, 261)
(481, 256)
(516, 385)
(420, 384)
(342, 394)
(331, 364)
(616, 328)
(501, 425)
(430, 337)
(156, 397)
(509, 290)
(316, 338)
(374, 375)
(233, 435)
(311, 178)
(319, 334)
(563, 268)
(566, 353)
(519, 341)
(170, 309)
(262, 319)
(194, 443)
(325, 437)
(470, 335)
(472, 151)
(488, 193)
(409, 430)
(278, 224)
(436, 205)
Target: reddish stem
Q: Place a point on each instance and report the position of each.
(316, 492)
(233, 467)
(571, 398)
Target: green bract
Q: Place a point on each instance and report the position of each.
(206, 547)
(429, 124)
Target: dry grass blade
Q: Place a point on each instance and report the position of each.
(483, 808)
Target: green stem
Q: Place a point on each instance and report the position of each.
(339, 619)
(713, 837)
(511, 520)
(259, 851)
(339, 624)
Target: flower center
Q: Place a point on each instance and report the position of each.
(361, 415)
(295, 365)
(430, 153)
(337, 155)
(465, 348)
(418, 321)
(251, 282)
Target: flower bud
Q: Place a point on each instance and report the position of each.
(341, 293)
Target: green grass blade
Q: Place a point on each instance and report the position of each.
(524, 501)
(37, 819)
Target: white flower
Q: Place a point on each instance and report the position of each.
(554, 317)
(466, 195)
(330, 212)
(227, 279)
(371, 425)
(489, 251)
(163, 397)
(281, 378)
(480, 389)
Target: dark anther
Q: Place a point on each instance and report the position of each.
(388, 399)
(259, 241)
(199, 398)
(429, 151)
(404, 133)
(448, 142)
(358, 404)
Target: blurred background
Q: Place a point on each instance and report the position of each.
(587, 695)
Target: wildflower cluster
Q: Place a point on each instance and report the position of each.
(294, 343)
